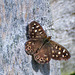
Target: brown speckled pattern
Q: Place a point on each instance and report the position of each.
(43, 48)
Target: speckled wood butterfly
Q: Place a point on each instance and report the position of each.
(41, 47)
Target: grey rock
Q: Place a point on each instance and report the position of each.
(63, 13)
(15, 17)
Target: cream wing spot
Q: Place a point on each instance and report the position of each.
(37, 26)
(45, 55)
(64, 51)
(56, 47)
(62, 55)
(27, 45)
(34, 23)
(59, 52)
(40, 32)
(36, 36)
(67, 54)
(52, 55)
(56, 55)
(29, 42)
(32, 36)
(46, 59)
(59, 48)
(35, 30)
(32, 33)
(33, 43)
(32, 27)
(52, 51)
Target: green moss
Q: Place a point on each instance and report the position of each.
(64, 73)
(72, 73)
(67, 73)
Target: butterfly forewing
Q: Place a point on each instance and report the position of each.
(36, 31)
(58, 51)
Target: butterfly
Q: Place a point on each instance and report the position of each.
(41, 47)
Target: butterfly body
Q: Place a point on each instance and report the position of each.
(41, 47)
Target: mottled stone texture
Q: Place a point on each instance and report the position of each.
(63, 15)
(57, 17)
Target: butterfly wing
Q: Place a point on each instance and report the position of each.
(58, 52)
(43, 55)
(36, 31)
(33, 45)
(42, 48)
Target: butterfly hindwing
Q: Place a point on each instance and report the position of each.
(33, 45)
(36, 31)
(58, 51)
(43, 55)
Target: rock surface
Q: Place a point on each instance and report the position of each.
(14, 18)
(63, 15)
